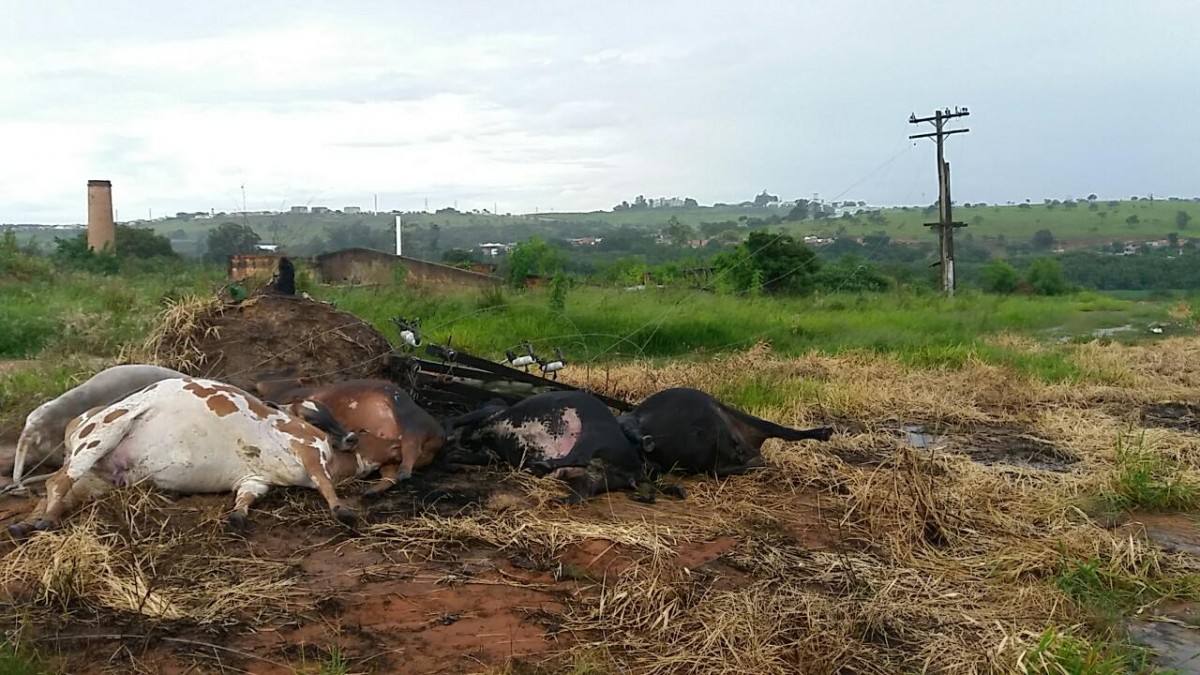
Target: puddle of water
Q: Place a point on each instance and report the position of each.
(1174, 646)
(1172, 415)
(994, 446)
(1106, 332)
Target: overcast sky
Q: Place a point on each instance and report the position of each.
(578, 105)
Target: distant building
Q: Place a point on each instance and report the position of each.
(298, 209)
(585, 241)
(494, 249)
(269, 248)
(664, 202)
(320, 209)
(351, 209)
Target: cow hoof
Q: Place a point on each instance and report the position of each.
(642, 498)
(570, 500)
(236, 521)
(44, 525)
(345, 516)
(673, 490)
(20, 530)
(825, 434)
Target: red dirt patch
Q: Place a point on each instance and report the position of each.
(7, 365)
(460, 611)
(1172, 532)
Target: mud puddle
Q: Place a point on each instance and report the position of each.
(1172, 415)
(992, 445)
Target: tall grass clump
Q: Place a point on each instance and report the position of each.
(1148, 482)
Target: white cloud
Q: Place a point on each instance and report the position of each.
(578, 107)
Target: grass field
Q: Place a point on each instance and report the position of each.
(1025, 542)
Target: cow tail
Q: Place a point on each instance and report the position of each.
(772, 430)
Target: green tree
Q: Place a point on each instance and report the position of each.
(678, 232)
(999, 277)
(690, 203)
(1045, 276)
(764, 199)
(799, 211)
(230, 239)
(137, 242)
(457, 256)
(1132, 220)
(1182, 218)
(777, 263)
(73, 253)
(1043, 240)
(532, 256)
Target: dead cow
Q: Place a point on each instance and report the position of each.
(687, 431)
(41, 439)
(570, 435)
(198, 436)
(375, 407)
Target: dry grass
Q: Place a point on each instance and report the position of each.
(175, 341)
(133, 554)
(929, 561)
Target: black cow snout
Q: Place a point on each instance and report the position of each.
(540, 468)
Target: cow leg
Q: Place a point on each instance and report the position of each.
(247, 492)
(389, 475)
(63, 495)
(311, 458)
(755, 463)
(325, 486)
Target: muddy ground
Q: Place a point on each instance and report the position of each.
(461, 610)
(375, 608)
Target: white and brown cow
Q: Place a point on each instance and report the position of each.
(199, 436)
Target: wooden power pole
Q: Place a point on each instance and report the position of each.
(945, 225)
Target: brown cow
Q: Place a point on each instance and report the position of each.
(371, 407)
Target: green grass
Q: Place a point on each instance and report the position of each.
(1075, 226)
(86, 315)
(1106, 592)
(1064, 653)
(89, 314)
(606, 324)
(18, 661)
(1147, 482)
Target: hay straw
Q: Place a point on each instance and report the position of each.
(145, 566)
(860, 555)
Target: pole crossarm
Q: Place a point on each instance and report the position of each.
(935, 134)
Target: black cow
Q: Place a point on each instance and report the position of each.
(687, 431)
(570, 435)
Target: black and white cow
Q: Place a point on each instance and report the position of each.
(569, 435)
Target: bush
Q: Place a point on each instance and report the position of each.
(18, 266)
(1045, 276)
(999, 277)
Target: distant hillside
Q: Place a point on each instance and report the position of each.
(1081, 224)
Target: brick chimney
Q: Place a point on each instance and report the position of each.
(101, 231)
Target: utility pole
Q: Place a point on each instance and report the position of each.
(945, 224)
